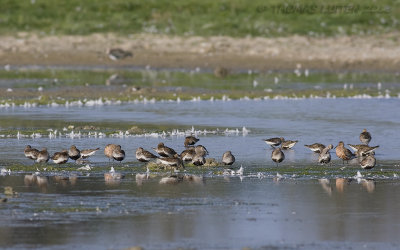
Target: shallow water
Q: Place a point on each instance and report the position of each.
(309, 121)
(296, 205)
(215, 213)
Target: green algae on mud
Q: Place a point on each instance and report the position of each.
(73, 167)
(14, 127)
(76, 87)
(300, 171)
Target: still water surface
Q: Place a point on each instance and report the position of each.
(218, 212)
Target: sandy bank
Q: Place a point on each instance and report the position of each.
(335, 53)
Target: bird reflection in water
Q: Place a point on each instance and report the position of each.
(341, 183)
(325, 184)
(368, 184)
(40, 181)
(113, 178)
(65, 181)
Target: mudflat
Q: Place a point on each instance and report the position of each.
(342, 53)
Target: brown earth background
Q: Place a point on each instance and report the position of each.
(367, 53)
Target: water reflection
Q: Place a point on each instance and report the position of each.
(140, 178)
(341, 184)
(113, 178)
(39, 181)
(66, 180)
(368, 184)
(325, 184)
(253, 212)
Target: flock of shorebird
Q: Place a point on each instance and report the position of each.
(363, 152)
(167, 156)
(196, 154)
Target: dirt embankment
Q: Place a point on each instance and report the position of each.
(336, 53)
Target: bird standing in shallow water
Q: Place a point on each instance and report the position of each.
(43, 156)
(198, 160)
(343, 153)
(188, 154)
(316, 147)
(86, 153)
(277, 156)
(201, 150)
(368, 162)
(173, 161)
(190, 140)
(164, 151)
(74, 153)
(31, 153)
(362, 149)
(108, 151)
(274, 142)
(60, 157)
(288, 144)
(228, 158)
(144, 155)
(365, 137)
(118, 154)
(325, 156)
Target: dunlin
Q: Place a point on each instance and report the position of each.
(188, 154)
(198, 160)
(277, 156)
(43, 156)
(273, 142)
(316, 147)
(201, 150)
(362, 149)
(174, 161)
(368, 162)
(365, 137)
(31, 153)
(118, 54)
(343, 153)
(228, 158)
(325, 156)
(190, 140)
(118, 154)
(74, 153)
(164, 151)
(144, 155)
(288, 144)
(108, 151)
(86, 153)
(60, 157)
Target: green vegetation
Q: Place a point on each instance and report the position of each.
(62, 86)
(299, 171)
(70, 167)
(164, 78)
(204, 18)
